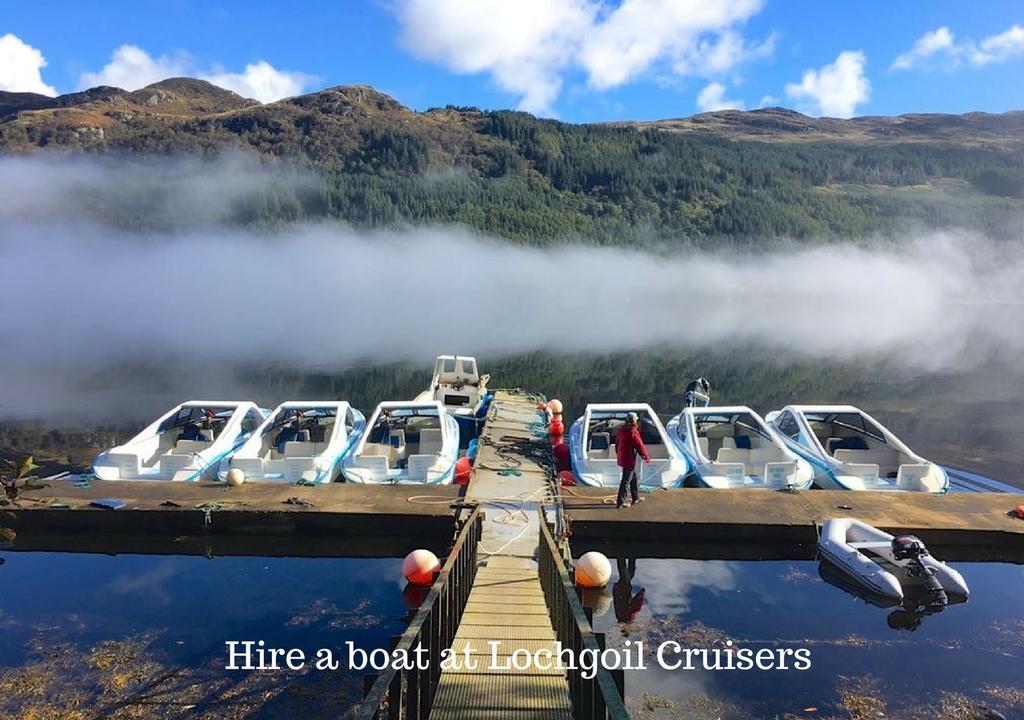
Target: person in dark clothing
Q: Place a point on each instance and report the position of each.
(627, 605)
(629, 444)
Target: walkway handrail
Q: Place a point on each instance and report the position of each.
(409, 694)
(597, 698)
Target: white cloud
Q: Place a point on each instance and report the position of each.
(527, 46)
(939, 47)
(262, 81)
(20, 66)
(999, 48)
(934, 41)
(131, 68)
(836, 89)
(768, 101)
(712, 97)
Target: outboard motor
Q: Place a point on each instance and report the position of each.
(697, 393)
(910, 549)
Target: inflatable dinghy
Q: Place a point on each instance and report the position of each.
(888, 566)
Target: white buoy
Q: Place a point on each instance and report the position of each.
(235, 477)
(593, 570)
(420, 566)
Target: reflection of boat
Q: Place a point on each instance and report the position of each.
(907, 614)
(186, 443)
(850, 450)
(299, 441)
(458, 386)
(405, 442)
(894, 568)
(592, 447)
(731, 447)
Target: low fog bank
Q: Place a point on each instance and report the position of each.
(84, 297)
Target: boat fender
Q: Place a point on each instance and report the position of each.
(593, 570)
(235, 477)
(566, 478)
(561, 453)
(557, 427)
(1018, 512)
(463, 469)
(420, 566)
(556, 407)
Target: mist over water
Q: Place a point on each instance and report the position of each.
(172, 280)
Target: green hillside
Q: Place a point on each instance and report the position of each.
(729, 176)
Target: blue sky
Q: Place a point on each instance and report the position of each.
(580, 60)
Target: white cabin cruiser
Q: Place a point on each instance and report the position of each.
(187, 443)
(458, 386)
(593, 455)
(732, 447)
(405, 442)
(890, 567)
(300, 441)
(850, 450)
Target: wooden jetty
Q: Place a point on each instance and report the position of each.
(506, 604)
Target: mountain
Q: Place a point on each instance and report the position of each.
(723, 176)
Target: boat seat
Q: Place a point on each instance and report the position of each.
(703, 443)
(430, 441)
(729, 443)
(853, 442)
(600, 446)
(418, 465)
(290, 434)
(377, 450)
(299, 449)
(192, 432)
(188, 447)
(397, 440)
(882, 457)
(734, 455)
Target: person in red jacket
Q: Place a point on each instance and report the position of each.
(629, 444)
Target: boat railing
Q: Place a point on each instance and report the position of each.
(599, 697)
(408, 694)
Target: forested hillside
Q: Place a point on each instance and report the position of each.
(730, 176)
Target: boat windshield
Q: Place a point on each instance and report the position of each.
(740, 423)
(216, 415)
(304, 416)
(854, 422)
(609, 421)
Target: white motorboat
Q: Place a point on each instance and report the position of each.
(593, 455)
(186, 443)
(458, 386)
(300, 442)
(732, 447)
(405, 442)
(850, 450)
(891, 567)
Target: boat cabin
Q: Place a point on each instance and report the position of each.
(456, 382)
(849, 436)
(405, 442)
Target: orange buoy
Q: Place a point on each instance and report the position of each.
(463, 468)
(1020, 511)
(562, 459)
(556, 440)
(593, 570)
(557, 427)
(542, 406)
(420, 566)
(566, 478)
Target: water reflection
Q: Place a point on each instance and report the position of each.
(863, 660)
(143, 636)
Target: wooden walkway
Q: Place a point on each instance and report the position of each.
(506, 609)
